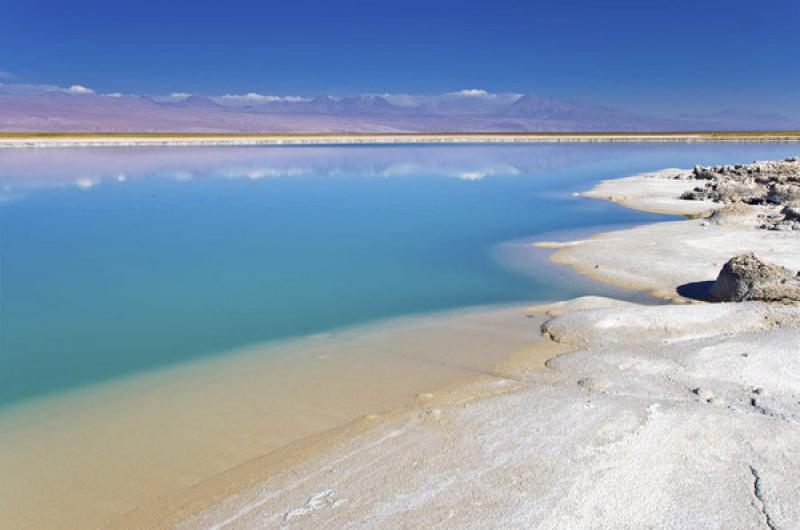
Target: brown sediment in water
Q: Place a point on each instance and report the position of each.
(151, 449)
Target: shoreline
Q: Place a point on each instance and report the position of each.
(341, 383)
(175, 510)
(49, 140)
(428, 457)
(156, 404)
(235, 497)
(696, 246)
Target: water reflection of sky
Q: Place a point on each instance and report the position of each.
(26, 170)
(121, 259)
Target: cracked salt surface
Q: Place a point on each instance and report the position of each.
(317, 501)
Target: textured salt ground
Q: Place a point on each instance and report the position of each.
(666, 423)
(373, 134)
(680, 416)
(662, 257)
(652, 192)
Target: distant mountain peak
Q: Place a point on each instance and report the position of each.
(197, 101)
(362, 113)
(60, 94)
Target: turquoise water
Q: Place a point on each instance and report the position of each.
(114, 261)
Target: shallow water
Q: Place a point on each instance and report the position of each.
(114, 261)
(148, 300)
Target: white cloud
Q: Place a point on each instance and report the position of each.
(475, 92)
(475, 100)
(29, 89)
(253, 97)
(5, 74)
(79, 89)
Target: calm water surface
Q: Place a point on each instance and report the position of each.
(114, 261)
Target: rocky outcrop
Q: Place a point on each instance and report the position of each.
(772, 185)
(746, 277)
(787, 218)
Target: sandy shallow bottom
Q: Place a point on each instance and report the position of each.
(154, 444)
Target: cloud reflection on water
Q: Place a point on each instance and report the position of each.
(23, 171)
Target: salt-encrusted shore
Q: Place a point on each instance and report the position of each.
(672, 257)
(673, 416)
(31, 140)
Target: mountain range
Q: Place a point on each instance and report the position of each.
(466, 111)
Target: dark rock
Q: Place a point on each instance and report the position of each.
(771, 185)
(703, 173)
(693, 196)
(791, 212)
(783, 194)
(746, 277)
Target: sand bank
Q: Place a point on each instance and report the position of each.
(34, 140)
(668, 416)
(170, 441)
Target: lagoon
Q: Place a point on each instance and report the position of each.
(119, 260)
(176, 323)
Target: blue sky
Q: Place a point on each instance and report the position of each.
(656, 57)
